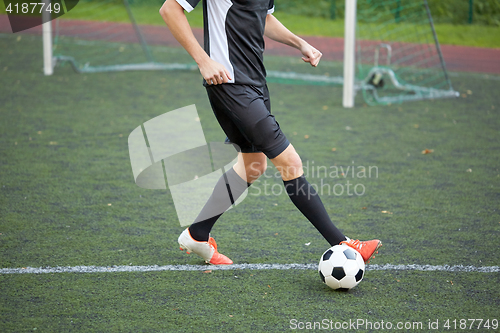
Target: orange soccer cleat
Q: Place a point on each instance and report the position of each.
(206, 250)
(367, 249)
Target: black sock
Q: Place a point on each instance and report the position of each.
(307, 200)
(227, 190)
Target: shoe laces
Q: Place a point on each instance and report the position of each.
(212, 243)
(355, 243)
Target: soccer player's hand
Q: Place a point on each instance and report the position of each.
(311, 55)
(214, 72)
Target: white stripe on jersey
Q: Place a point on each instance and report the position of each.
(187, 7)
(270, 11)
(219, 47)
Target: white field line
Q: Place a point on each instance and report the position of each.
(156, 268)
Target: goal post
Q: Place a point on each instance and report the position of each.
(48, 61)
(349, 53)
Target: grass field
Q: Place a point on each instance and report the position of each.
(68, 198)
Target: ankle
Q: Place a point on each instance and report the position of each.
(198, 234)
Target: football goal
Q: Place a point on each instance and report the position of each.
(389, 54)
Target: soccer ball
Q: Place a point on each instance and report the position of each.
(377, 80)
(341, 267)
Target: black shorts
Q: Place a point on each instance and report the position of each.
(244, 113)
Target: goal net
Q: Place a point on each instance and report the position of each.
(398, 57)
(389, 54)
(103, 35)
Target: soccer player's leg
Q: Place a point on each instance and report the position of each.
(262, 131)
(224, 100)
(228, 189)
(250, 166)
(304, 196)
(307, 200)
(196, 238)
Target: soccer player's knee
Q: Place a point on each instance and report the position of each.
(294, 166)
(289, 164)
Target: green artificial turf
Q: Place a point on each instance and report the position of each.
(64, 159)
(239, 301)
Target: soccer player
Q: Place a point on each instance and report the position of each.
(231, 64)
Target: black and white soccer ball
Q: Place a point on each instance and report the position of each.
(377, 80)
(341, 267)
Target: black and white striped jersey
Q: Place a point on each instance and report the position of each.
(234, 36)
